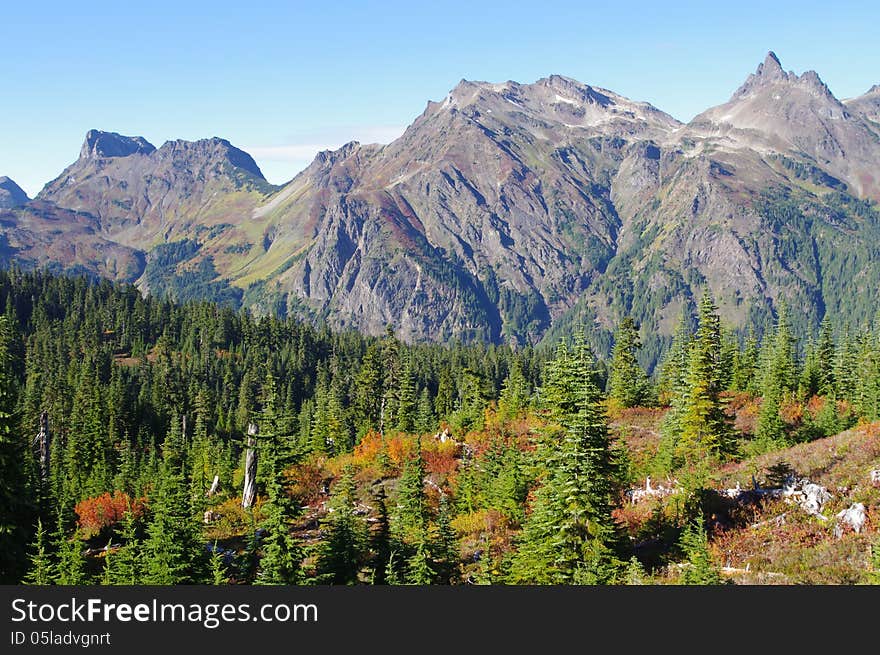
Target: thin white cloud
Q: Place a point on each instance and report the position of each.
(289, 153)
(281, 162)
(308, 148)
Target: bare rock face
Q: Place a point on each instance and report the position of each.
(852, 518)
(104, 145)
(784, 112)
(11, 195)
(867, 106)
(139, 193)
(42, 235)
(485, 220)
(807, 495)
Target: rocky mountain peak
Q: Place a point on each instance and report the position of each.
(206, 150)
(329, 157)
(771, 68)
(866, 105)
(568, 89)
(11, 195)
(771, 74)
(811, 80)
(104, 145)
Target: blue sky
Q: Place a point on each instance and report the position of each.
(283, 80)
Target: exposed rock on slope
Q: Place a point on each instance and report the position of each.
(11, 195)
(46, 236)
(143, 195)
(783, 112)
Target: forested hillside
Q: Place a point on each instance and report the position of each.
(147, 442)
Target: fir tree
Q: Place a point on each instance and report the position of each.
(71, 568)
(444, 401)
(219, 574)
(407, 399)
(174, 552)
(282, 555)
(673, 368)
(425, 420)
(392, 575)
(571, 535)
(745, 364)
(447, 548)
(390, 347)
(779, 377)
(867, 388)
(700, 569)
(342, 552)
(515, 392)
(825, 350)
(410, 519)
(127, 566)
(42, 570)
(696, 426)
(380, 539)
(810, 375)
(628, 384)
(368, 391)
(472, 402)
(845, 367)
(635, 572)
(420, 568)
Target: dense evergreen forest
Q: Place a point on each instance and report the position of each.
(147, 442)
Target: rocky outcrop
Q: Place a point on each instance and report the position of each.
(42, 235)
(852, 518)
(104, 145)
(11, 195)
(798, 115)
(867, 106)
(141, 194)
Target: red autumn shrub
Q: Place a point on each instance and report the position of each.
(440, 461)
(105, 511)
(307, 481)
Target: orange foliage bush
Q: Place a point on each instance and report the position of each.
(104, 511)
(746, 414)
(792, 412)
(399, 449)
(738, 400)
(366, 452)
(815, 405)
(306, 480)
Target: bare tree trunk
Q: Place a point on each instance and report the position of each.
(250, 468)
(215, 486)
(45, 440)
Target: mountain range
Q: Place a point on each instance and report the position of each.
(505, 212)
